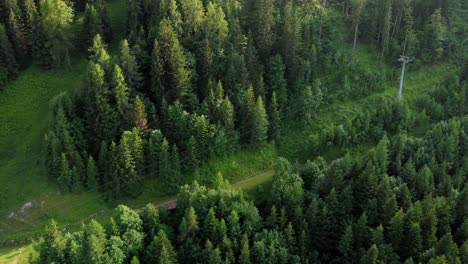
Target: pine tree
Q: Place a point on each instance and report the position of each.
(57, 18)
(371, 256)
(98, 54)
(259, 133)
(129, 165)
(386, 26)
(346, 244)
(30, 18)
(52, 246)
(130, 67)
(192, 162)
(275, 118)
(134, 16)
(151, 221)
(94, 243)
(215, 27)
(168, 10)
(154, 152)
(165, 170)
(291, 40)
(41, 46)
(429, 226)
(176, 174)
(92, 25)
(121, 93)
(436, 34)
(135, 260)
(210, 226)
(140, 117)
(176, 76)
(193, 16)
(101, 8)
(277, 81)
(410, 38)
(65, 177)
(263, 24)
(157, 74)
(16, 36)
(161, 250)
(358, 8)
(8, 66)
(91, 174)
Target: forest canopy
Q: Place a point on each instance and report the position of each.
(196, 81)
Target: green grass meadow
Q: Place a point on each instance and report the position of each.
(24, 117)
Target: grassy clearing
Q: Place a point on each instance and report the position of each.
(259, 179)
(14, 256)
(24, 117)
(244, 164)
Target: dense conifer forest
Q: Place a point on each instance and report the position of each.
(359, 178)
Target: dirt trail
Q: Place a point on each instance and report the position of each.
(245, 184)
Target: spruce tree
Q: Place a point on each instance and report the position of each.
(121, 93)
(140, 117)
(92, 25)
(98, 54)
(215, 27)
(410, 38)
(8, 66)
(161, 250)
(91, 174)
(358, 8)
(263, 24)
(259, 133)
(130, 67)
(154, 152)
(168, 10)
(165, 171)
(277, 81)
(30, 18)
(57, 17)
(65, 177)
(16, 36)
(41, 47)
(436, 34)
(101, 8)
(176, 173)
(275, 118)
(193, 13)
(244, 257)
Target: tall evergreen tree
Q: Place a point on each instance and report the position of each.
(171, 70)
(8, 66)
(275, 118)
(92, 25)
(358, 8)
(436, 34)
(121, 93)
(57, 17)
(263, 24)
(98, 54)
(259, 133)
(91, 174)
(130, 67)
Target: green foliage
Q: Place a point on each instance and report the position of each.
(8, 66)
(130, 66)
(56, 19)
(170, 68)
